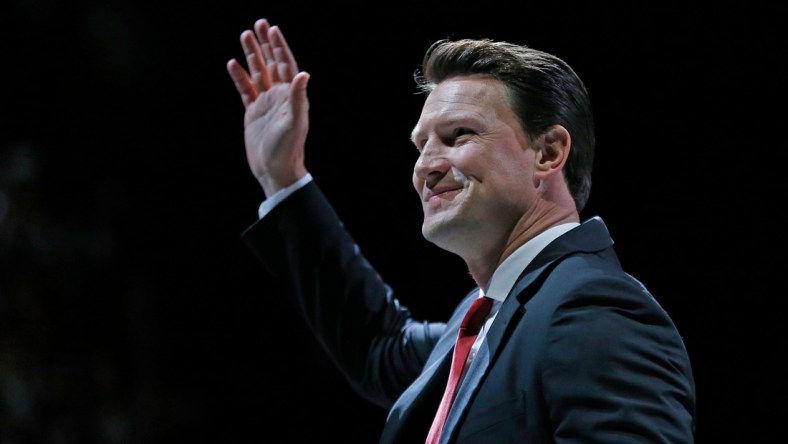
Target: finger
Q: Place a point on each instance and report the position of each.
(254, 60)
(282, 53)
(243, 83)
(261, 28)
(282, 68)
(273, 72)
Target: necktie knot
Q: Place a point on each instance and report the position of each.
(476, 315)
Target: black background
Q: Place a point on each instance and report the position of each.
(130, 311)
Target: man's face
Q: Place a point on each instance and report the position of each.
(475, 168)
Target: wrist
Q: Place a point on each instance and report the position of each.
(274, 183)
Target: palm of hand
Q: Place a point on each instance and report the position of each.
(273, 92)
(273, 134)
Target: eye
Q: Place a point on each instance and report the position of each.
(461, 131)
(457, 134)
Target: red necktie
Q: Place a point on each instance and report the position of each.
(469, 328)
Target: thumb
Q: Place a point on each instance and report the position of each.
(298, 96)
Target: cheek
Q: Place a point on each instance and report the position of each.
(458, 174)
(508, 169)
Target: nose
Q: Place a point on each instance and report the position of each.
(431, 165)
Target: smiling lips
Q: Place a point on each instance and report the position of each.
(435, 195)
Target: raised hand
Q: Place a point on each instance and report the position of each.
(273, 92)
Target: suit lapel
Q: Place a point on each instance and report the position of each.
(590, 236)
(508, 313)
(466, 390)
(431, 381)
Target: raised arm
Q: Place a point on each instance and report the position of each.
(276, 121)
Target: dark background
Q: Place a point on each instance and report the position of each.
(130, 311)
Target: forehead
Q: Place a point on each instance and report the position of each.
(466, 97)
(465, 88)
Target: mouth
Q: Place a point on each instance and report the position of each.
(436, 196)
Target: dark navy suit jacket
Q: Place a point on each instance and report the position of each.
(579, 352)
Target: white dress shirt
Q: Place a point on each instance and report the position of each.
(505, 276)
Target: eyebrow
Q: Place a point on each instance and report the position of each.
(456, 118)
(413, 134)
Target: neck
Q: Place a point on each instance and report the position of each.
(539, 218)
(536, 220)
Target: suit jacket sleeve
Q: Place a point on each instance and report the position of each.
(354, 314)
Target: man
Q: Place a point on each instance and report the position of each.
(573, 349)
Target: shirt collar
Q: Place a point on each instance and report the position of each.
(506, 274)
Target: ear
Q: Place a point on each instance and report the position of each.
(552, 150)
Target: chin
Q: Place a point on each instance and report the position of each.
(429, 231)
(438, 230)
